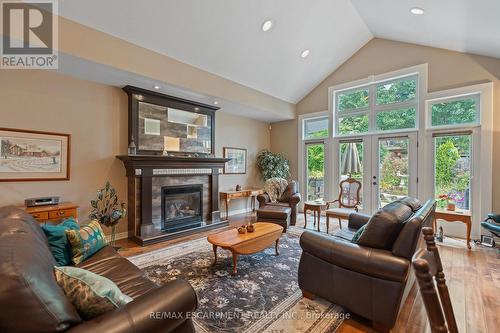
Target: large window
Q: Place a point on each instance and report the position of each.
(384, 106)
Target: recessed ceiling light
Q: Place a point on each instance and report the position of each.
(216, 102)
(157, 87)
(267, 25)
(304, 53)
(417, 11)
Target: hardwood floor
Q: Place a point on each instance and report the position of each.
(473, 278)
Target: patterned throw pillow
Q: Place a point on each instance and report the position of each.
(91, 294)
(58, 242)
(86, 241)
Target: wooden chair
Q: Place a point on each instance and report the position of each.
(427, 264)
(348, 201)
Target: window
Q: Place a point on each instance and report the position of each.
(390, 105)
(315, 170)
(396, 92)
(315, 128)
(396, 119)
(452, 169)
(353, 100)
(455, 111)
(353, 124)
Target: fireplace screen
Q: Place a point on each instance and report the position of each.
(182, 207)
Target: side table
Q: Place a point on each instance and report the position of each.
(316, 207)
(463, 216)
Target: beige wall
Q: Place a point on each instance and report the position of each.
(239, 132)
(447, 69)
(96, 117)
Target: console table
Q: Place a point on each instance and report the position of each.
(463, 216)
(251, 193)
(53, 213)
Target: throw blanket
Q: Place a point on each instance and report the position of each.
(275, 187)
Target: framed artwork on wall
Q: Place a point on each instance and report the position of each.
(238, 162)
(27, 155)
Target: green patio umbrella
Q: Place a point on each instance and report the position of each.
(350, 162)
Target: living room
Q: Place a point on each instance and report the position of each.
(234, 166)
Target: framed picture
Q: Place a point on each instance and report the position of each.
(238, 162)
(33, 155)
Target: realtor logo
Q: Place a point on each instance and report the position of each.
(29, 35)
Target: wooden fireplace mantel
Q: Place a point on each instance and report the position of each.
(142, 169)
(133, 162)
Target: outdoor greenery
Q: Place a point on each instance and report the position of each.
(353, 100)
(452, 160)
(455, 112)
(452, 168)
(272, 165)
(396, 92)
(396, 119)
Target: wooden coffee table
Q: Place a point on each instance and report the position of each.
(264, 236)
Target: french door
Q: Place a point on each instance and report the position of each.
(386, 166)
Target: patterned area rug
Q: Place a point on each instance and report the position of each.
(262, 297)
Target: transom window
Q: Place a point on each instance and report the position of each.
(456, 111)
(378, 107)
(315, 128)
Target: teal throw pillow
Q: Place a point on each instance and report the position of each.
(58, 241)
(358, 233)
(90, 293)
(86, 241)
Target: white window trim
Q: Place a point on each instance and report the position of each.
(451, 97)
(482, 150)
(304, 119)
(419, 70)
(301, 175)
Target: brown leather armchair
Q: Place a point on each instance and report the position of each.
(290, 198)
(370, 282)
(32, 301)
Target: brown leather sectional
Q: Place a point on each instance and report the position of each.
(370, 282)
(31, 300)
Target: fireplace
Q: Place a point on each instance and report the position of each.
(181, 207)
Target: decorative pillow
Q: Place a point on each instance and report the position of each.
(384, 226)
(86, 241)
(358, 234)
(290, 190)
(274, 187)
(91, 294)
(58, 242)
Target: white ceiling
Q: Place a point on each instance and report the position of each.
(224, 36)
(471, 26)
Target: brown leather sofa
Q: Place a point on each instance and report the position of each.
(370, 282)
(290, 198)
(31, 300)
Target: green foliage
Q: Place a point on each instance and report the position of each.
(396, 119)
(396, 92)
(315, 160)
(272, 165)
(450, 177)
(456, 112)
(353, 100)
(354, 124)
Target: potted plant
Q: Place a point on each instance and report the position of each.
(272, 165)
(107, 210)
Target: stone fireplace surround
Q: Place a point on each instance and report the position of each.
(148, 174)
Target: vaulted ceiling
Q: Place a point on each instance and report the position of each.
(224, 37)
